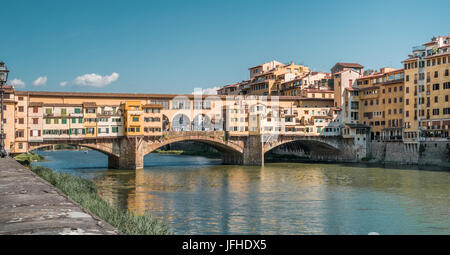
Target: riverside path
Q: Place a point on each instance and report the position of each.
(30, 205)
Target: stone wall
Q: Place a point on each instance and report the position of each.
(427, 153)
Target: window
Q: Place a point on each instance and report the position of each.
(48, 111)
(74, 121)
(63, 111)
(47, 121)
(35, 121)
(77, 110)
(435, 74)
(80, 120)
(21, 121)
(435, 111)
(90, 130)
(56, 121)
(436, 99)
(64, 121)
(90, 110)
(135, 119)
(19, 133)
(407, 90)
(35, 110)
(115, 129)
(436, 86)
(20, 98)
(20, 108)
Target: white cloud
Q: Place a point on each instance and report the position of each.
(17, 83)
(63, 84)
(207, 91)
(96, 80)
(40, 81)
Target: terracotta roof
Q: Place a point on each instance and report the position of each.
(132, 95)
(231, 85)
(350, 65)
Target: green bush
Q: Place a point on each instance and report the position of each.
(27, 158)
(85, 193)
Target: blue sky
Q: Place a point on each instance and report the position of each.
(176, 46)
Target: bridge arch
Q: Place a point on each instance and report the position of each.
(215, 139)
(307, 143)
(97, 147)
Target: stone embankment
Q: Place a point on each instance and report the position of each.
(30, 205)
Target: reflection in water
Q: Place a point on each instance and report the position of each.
(196, 195)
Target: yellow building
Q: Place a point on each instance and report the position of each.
(9, 120)
(90, 120)
(133, 118)
(266, 79)
(427, 90)
(380, 103)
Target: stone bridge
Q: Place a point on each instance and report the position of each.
(129, 152)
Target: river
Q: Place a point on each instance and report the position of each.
(197, 195)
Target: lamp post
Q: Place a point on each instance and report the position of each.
(3, 78)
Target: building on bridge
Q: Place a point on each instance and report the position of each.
(117, 123)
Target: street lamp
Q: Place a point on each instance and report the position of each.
(3, 78)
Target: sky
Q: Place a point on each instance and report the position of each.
(176, 46)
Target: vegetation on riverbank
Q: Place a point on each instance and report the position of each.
(27, 158)
(207, 154)
(85, 193)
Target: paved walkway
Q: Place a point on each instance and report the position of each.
(30, 205)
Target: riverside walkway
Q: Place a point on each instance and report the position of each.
(30, 205)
